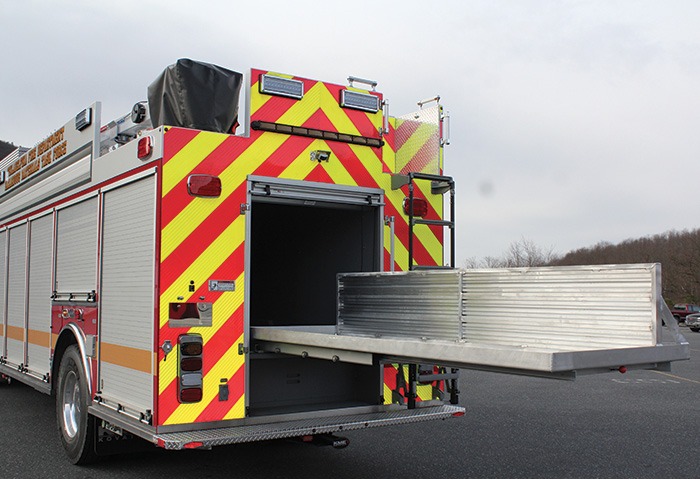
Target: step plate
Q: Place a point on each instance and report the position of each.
(280, 430)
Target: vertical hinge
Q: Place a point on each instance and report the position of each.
(245, 207)
(242, 349)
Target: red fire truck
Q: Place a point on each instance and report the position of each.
(219, 267)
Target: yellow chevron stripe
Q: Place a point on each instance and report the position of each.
(387, 394)
(230, 362)
(238, 409)
(188, 157)
(199, 209)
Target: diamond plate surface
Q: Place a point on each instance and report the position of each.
(279, 430)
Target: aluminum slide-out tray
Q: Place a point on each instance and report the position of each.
(550, 321)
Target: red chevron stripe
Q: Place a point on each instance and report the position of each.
(405, 130)
(319, 175)
(175, 140)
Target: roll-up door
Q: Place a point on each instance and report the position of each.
(76, 248)
(40, 288)
(16, 298)
(127, 294)
(3, 284)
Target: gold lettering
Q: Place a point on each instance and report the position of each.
(12, 181)
(46, 160)
(59, 151)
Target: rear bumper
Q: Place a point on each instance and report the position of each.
(286, 429)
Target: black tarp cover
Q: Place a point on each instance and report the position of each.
(195, 95)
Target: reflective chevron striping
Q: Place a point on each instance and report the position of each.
(204, 238)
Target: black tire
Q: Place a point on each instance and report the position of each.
(76, 427)
(695, 330)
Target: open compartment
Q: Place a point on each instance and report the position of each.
(301, 236)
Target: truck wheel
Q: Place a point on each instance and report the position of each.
(75, 426)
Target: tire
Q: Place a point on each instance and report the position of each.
(695, 330)
(76, 427)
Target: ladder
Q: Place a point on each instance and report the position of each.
(439, 185)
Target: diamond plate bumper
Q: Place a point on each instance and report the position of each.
(279, 430)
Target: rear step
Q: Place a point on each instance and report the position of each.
(208, 438)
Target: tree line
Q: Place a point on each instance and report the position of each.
(678, 252)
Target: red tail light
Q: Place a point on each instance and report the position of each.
(420, 207)
(204, 185)
(191, 395)
(145, 147)
(191, 364)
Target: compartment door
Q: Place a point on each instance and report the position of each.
(127, 295)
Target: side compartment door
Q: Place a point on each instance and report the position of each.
(127, 295)
(16, 294)
(40, 288)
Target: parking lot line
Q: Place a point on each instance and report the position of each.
(677, 377)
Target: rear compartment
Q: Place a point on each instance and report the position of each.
(298, 246)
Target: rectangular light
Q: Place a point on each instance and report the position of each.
(83, 119)
(359, 101)
(280, 86)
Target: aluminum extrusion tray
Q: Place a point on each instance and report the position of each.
(520, 360)
(286, 429)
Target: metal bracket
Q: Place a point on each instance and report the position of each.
(245, 207)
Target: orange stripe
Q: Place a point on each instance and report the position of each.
(14, 332)
(39, 338)
(127, 357)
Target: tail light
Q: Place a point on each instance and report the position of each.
(204, 185)
(420, 206)
(190, 368)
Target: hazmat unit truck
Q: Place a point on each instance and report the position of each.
(261, 256)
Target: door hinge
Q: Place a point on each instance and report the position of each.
(245, 207)
(242, 349)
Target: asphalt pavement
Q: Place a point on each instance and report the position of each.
(641, 424)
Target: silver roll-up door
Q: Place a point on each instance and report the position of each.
(16, 299)
(127, 301)
(40, 288)
(76, 248)
(3, 284)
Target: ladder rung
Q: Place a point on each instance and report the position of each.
(427, 267)
(433, 222)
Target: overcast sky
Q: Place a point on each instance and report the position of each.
(573, 122)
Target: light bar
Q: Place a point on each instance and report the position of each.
(280, 86)
(314, 133)
(359, 101)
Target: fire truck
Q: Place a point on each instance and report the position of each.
(260, 256)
